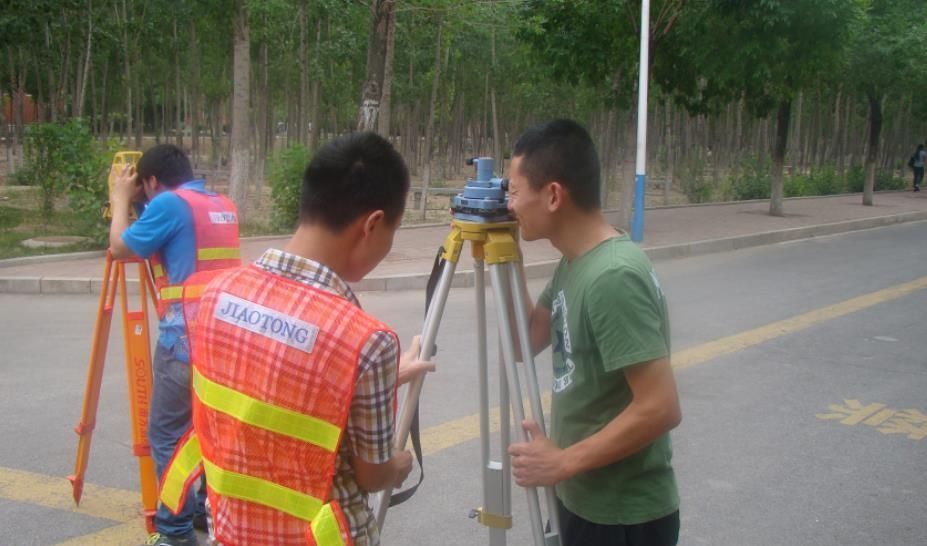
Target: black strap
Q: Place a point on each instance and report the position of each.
(415, 430)
(414, 434)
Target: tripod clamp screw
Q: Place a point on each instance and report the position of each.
(497, 521)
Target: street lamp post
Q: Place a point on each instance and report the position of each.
(640, 170)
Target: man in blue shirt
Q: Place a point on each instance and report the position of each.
(166, 228)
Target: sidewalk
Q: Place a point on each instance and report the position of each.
(669, 233)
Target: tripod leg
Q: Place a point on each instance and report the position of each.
(501, 290)
(410, 403)
(518, 290)
(505, 434)
(495, 510)
(138, 374)
(84, 428)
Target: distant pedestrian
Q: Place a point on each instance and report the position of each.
(917, 165)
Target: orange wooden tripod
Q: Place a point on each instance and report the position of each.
(138, 372)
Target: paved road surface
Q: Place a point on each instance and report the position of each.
(802, 376)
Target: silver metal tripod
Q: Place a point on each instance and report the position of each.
(495, 244)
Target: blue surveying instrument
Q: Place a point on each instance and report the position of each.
(483, 199)
(481, 217)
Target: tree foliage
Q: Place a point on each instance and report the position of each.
(164, 69)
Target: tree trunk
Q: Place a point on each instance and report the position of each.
(796, 136)
(372, 90)
(782, 141)
(496, 138)
(139, 116)
(241, 93)
(78, 108)
(178, 90)
(127, 67)
(607, 160)
(429, 127)
(385, 115)
(105, 120)
(844, 137)
(16, 111)
(302, 105)
(263, 121)
(875, 132)
(668, 146)
(832, 143)
(315, 106)
(194, 95)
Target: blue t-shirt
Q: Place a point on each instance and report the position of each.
(166, 226)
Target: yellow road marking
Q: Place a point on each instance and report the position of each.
(743, 340)
(466, 428)
(122, 506)
(911, 422)
(55, 492)
(451, 433)
(130, 532)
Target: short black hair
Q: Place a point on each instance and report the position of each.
(166, 162)
(353, 175)
(561, 150)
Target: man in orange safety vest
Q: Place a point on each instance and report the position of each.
(294, 384)
(183, 229)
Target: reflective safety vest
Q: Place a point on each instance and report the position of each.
(275, 364)
(215, 226)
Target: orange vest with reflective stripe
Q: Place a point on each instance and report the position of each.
(274, 369)
(215, 226)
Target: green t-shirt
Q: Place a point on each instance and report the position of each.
(608, 312)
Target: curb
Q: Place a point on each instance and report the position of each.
(536, 270)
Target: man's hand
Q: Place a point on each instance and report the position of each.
(127, 188)
(402, 462)
(373, 477)
(410, 366)
(539, 462)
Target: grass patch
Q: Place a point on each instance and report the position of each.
(18, 224)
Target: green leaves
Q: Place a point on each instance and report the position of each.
(65, 159)
(286, 179)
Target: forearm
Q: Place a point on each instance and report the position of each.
(119, 223)
(377, 477)
(633, 429)
(538, 317)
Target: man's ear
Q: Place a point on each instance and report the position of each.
(151, 180)
(556, 196)
(374, 219)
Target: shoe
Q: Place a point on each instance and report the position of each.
(917, 188)
(158, 539)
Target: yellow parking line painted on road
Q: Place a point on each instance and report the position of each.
(55, 492)
(121, 506)
(737, 342)
(466, 428)
(451, 433)
(130, 532)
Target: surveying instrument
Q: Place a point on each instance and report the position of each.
(137, 343)
(481, 217)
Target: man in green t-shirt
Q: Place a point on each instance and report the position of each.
(603, 312)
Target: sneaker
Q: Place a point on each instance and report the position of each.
(158, 539)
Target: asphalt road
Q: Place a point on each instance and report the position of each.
(802, 384)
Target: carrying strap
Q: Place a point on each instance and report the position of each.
(415, 429)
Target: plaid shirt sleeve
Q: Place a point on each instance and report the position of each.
(370, 425)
